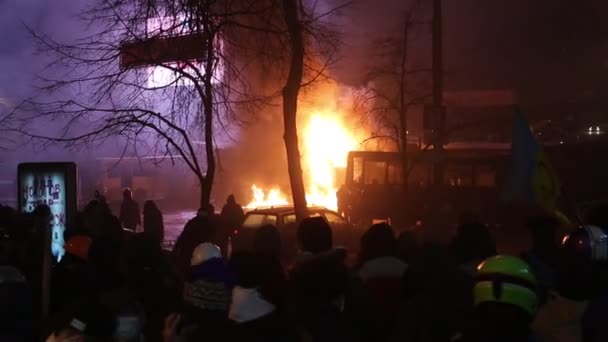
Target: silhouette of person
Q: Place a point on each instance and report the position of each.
(153, 221)
(232, 213)
(129, 211)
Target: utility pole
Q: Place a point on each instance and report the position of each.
(438, 116)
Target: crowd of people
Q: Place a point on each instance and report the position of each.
(118, 285)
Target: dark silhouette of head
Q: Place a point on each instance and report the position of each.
(42, 217)
(267, 241)
(127, 194)
(473, 243)
(7, 217)
(231, 200)
(315, 235)
(543, 230)
(143, 258)
(150, 206)
(112, 228)
(408, 245)
(247, 267)
(378, 241)
(104, 260)
(598, 216)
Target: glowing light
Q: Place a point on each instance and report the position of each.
(325, 140)
(326, 144)
(261, 198)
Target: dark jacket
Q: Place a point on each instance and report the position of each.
(232, 215)
(330, 305)
(153, 224)
(129, 214)
(383, 280)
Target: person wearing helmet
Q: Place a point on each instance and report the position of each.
(505, 301)
(561, 318)
(585, 279)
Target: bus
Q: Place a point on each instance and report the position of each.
(473, 180)
(373, 187)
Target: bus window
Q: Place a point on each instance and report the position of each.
(394, 173)
(375, 172)
(357, 170)
(458, 175)
(485, 176)
(420, 174)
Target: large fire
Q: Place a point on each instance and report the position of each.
(325, 141)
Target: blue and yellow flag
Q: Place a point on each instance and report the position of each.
(533, 179)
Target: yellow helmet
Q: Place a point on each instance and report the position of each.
(506, 279)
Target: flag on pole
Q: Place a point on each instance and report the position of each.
(532, 179)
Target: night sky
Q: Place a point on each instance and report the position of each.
(537, 47)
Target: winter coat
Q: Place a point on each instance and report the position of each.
(383, 280)
(329, 304)
(438, 299)
(129, 214)
(232, 215)
(153, 224)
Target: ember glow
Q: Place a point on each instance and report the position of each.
(325, 141)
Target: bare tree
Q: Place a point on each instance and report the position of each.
(395, 86)
(305, 31)
(104, 84)
(113, 87)
(290, 106)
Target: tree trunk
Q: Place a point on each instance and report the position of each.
(207, 182)
(403, 113)
(290, 107)
(207, 100)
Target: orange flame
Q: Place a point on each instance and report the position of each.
(325, 141)
(261, 198)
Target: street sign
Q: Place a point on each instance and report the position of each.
(156, 51)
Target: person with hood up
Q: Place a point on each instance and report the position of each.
(153, 222)
(206, 294)
(129, 211)
(381, 271)
(232, 213)
(329, 305)
(256, 310)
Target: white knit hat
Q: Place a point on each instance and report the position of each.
(204, 252)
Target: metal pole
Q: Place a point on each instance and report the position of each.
(438, 112)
